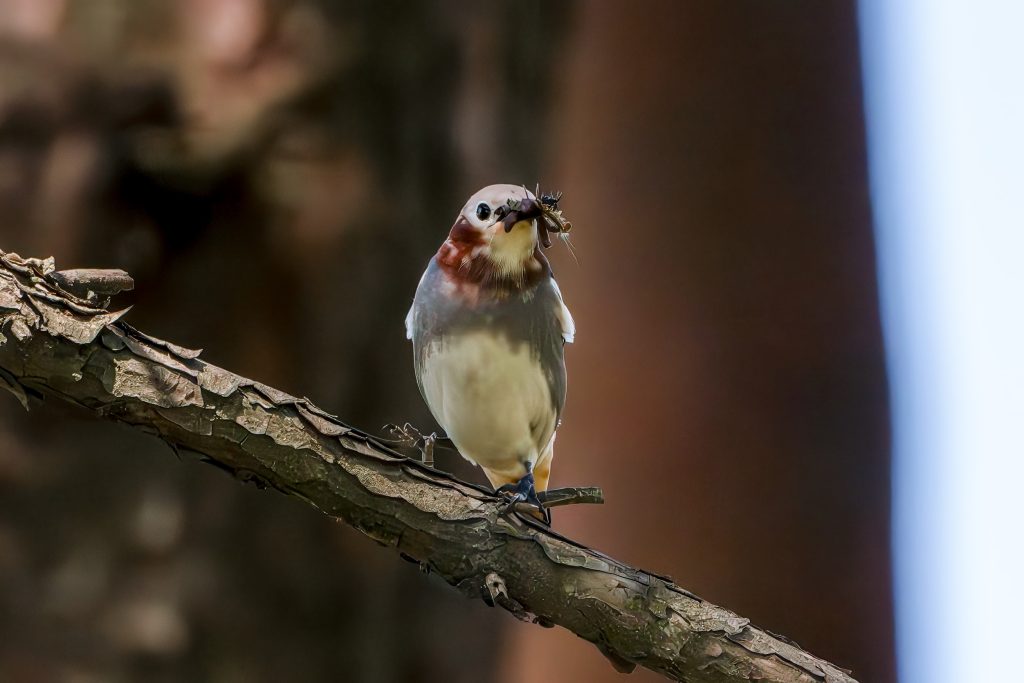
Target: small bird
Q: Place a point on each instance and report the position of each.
(488, 327)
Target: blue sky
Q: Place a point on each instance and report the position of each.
(944, 86)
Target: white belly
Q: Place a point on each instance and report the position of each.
(492, 399)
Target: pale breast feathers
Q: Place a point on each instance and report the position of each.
(500, 358)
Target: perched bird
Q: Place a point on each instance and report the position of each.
(488, 326)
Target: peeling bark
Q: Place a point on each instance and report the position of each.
(54, 343)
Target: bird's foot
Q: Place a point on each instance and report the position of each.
(524, 491)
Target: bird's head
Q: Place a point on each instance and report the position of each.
(496, 237)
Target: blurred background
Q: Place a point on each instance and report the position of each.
(276, 173)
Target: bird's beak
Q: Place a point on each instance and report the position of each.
(528, 210)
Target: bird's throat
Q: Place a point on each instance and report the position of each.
(511, 252)
(472, 268)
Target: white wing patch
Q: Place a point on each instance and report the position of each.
(564, 316)
(409, 316)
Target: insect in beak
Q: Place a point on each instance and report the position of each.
(546, 208)
(553, 221)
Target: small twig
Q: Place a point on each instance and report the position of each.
(565, 496)
(428, 449)
(408, 436)
(572, 495)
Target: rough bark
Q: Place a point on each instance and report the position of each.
(54, 343)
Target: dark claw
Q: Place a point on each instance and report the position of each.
(524, 491)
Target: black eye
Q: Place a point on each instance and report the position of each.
(483, 211)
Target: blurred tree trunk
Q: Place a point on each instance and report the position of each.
(714, 164)
(713, 159)
(238, 156)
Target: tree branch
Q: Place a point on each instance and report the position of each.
(55, 343)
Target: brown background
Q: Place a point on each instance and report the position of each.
(276, 173)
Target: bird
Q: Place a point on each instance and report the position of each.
(488, 327)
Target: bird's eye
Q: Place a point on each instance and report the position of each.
(483, 211)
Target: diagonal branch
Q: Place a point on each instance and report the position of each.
(54, 343)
